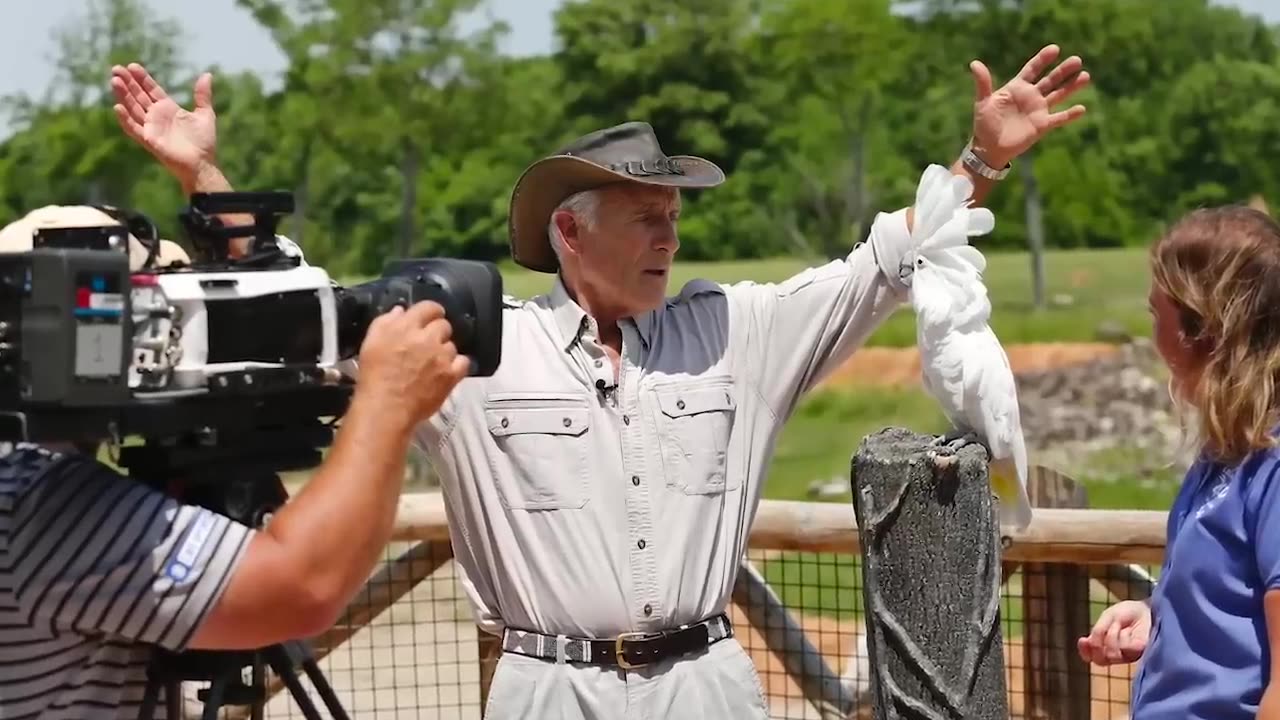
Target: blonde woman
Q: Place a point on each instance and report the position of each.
(1206, 638)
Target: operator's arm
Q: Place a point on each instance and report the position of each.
(97, 552)
(319, 549)
(317, 552)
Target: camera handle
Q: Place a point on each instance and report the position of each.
(237, 478)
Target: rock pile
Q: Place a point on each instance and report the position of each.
(1117, 401)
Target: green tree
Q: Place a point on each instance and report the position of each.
(66, 147)
(834, 69)
(686, 69)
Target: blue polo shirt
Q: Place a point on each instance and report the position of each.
(1208, 655)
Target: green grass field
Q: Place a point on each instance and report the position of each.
(1108, 285)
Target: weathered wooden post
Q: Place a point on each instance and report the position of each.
(1055, 611)
(930, 545)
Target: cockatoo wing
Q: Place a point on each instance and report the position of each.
(935, 203)
(993, 398)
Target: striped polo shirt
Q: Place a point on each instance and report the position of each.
(95, 570)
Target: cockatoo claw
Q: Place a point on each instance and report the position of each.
(953, 441)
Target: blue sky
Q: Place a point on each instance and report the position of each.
(229, 37)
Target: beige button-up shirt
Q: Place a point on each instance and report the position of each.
(587, 508)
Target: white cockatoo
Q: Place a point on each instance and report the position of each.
(962, 362)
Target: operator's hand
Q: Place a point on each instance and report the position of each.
(408, 363)
(185, 142)
(1120, 635)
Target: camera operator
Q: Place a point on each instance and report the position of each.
(96, 569)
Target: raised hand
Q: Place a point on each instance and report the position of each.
(184, 141)
(1008, 121)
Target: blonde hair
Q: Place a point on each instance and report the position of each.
(1220, 267)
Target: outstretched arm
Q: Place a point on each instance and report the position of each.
(813, 322)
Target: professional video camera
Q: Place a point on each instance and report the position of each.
(89, 349)
(227, 369)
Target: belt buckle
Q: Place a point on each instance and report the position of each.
(617, 649)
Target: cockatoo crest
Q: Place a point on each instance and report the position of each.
(943, 271)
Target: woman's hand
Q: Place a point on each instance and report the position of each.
(1120, 635)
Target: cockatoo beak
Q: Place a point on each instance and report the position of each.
(907, 268)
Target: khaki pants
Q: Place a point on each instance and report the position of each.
(718, 683)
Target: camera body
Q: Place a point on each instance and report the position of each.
(89, 348)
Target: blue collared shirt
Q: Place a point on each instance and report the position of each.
(1208, 655)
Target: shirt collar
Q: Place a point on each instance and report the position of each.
(572, 320)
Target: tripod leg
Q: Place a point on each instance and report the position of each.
(330, 698)
(259, 681)
(298, 653)
(173, 699)
(213, 701)
(150, 697)
(278, 658)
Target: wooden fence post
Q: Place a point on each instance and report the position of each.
(930, 547)
(1055, 602)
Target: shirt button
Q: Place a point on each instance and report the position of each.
(626, 419)
(680, 404)
(648, 609)
(640, 544)
(635, 480)
(599, 363)
(567, 422)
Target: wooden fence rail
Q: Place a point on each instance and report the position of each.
(1055, 535)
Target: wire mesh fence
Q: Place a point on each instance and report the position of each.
(420, 656)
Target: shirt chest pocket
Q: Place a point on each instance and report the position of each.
(541, 463)
(694, 426)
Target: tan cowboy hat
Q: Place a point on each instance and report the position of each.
(19, 235)
(624, 153)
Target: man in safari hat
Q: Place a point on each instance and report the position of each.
(601, 485)
(19, 235)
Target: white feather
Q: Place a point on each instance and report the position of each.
(963, 365)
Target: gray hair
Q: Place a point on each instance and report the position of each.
(584, 206)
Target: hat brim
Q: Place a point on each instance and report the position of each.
(546, 183)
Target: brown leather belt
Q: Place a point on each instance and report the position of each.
(628, 650)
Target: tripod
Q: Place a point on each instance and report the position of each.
(235, 476)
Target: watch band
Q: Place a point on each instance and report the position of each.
(975, 164)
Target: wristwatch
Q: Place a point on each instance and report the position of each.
(975, 164)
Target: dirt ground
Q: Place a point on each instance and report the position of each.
(901, 366)
(842, 643)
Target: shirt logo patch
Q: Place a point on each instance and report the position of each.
(1216, 494)
(180, 567)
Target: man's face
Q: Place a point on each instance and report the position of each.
(623, 259)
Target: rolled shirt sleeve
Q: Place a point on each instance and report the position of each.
(93, 551)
